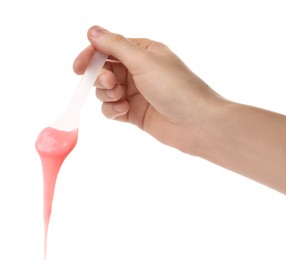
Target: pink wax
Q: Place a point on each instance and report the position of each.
(53, 147)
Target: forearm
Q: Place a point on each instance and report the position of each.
(249, 141)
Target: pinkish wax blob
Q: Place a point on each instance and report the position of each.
(53, 147)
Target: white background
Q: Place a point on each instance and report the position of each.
(120, 194)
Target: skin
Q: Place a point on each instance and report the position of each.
(146, 84)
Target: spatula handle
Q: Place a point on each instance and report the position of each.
(70, 119)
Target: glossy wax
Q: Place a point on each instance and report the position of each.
(53, 147)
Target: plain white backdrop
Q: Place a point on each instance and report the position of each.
(121, 194)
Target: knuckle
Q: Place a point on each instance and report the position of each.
(118, 38)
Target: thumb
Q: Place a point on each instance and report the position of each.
(117, 46)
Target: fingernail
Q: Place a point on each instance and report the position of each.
(110, 93)
(96, 31)
(117, 108)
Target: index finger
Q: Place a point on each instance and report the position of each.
(82, 60)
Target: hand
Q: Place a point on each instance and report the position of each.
(149, 86)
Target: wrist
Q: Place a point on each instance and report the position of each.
(209, 133)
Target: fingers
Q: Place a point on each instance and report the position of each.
(110, 85)
(82, 60)
(126, 51)
(116, 110)
(106, 79)
(108, 88)
(117, 46)
(112, 94)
